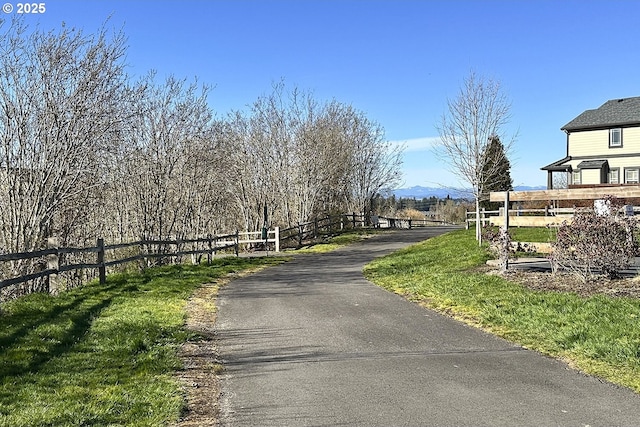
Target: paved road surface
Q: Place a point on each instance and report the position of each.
(312, 343)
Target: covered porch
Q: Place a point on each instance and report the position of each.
(558, 173)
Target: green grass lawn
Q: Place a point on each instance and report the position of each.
(599, 335)
(102, 355)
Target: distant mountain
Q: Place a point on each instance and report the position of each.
(419, 192)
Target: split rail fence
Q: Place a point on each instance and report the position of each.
(166, 249)
(50, 262)
(297, 235)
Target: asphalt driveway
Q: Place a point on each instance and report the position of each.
(312, 343)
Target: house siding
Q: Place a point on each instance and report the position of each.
(590, 176)
(596, 142)
(632, 136)
(588, 143)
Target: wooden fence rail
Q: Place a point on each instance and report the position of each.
(522, 217)
(393, 222)
(211, 245)
(550, 216)
(296, 235)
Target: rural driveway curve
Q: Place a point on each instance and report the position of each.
(312, 343)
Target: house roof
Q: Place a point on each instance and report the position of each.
(559, 165)
(616, 112)
(593, 164)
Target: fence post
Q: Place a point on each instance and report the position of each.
(354, 220)
(209, 242)
(237, 243)
(506, 227)
(277, 239)
(315, 228)
(300, 234)
(409, 223)
(53, 261)
(341, 222)
(102, 271)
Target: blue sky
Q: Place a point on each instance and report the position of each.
(398, 61)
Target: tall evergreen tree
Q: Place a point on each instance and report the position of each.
(496, 170)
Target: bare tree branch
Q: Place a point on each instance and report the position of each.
(479, 113)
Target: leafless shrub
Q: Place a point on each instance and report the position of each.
(596, 243)
(500, 242)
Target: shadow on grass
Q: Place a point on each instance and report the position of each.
(44, 327)
(41, 327)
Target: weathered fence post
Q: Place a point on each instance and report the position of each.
(277, 239)
(53, 261)
(209, 242)
(300, 234)
(237, 243)
(354, 220)
(505, 261)
(102, 271)
(145, 250)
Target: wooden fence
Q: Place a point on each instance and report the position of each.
(549, 216)
(55, 260)
(208, 246)
(296, 236)
(393, 222)
(522, 217)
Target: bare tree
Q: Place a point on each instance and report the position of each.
(560, 179)
(476, 116)
(302, 158)
(167, 159)
(375, 162)
(60, 94)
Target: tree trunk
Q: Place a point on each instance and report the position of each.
(478, 223)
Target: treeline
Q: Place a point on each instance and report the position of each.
(87, 151)
(424, 204)
(446, 209)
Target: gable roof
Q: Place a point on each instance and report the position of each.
(616, 112)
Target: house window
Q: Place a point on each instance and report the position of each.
(614, 176)
(615, 137)
(632, 175)
(575, 177)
